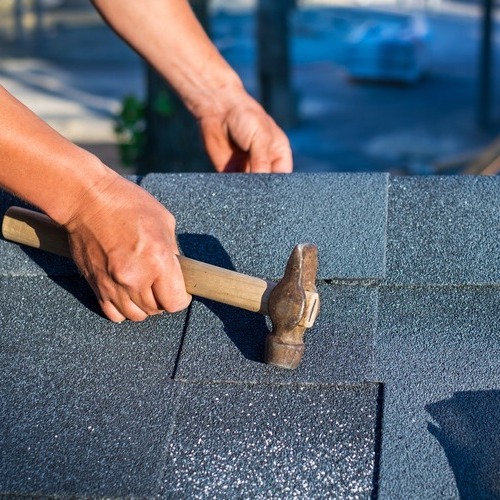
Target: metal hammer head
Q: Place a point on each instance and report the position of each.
(293, 306)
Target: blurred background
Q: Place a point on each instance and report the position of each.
(402, 86)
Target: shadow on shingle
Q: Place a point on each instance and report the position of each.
(467, 428)
(237, 323)
(64, 273)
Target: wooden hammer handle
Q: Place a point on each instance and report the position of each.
(203, 280)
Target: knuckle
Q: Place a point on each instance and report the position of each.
(124, 275)
(170, 219)
(177, 302)
(105, 290)
(156, 258)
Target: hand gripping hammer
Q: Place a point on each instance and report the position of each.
(292, 303)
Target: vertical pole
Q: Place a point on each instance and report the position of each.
(485, 58)
(19, 33)
(276, 93)
(39, 41)
(173, 141)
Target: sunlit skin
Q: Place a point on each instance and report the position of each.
(121, 238)
(238, 134)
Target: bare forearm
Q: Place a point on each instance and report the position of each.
(168, 35)
(238, 134)
(125, 250)
(39, 165)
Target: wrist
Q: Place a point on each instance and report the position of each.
(214, 96)
(83, 184)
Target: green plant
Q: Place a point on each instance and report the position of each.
(130, 125)
(130, 128)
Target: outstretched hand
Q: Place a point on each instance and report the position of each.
(242, 137)
(123, 241)
(239, 135)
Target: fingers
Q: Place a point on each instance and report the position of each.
(282, 158)
(172, 299)
(245, 138)
(126, 310)
(127, 253)
(260, 162)
(168, 290)
(136, 302)
(271, 155)
(262, 153)
(118, 305)
(162, 296)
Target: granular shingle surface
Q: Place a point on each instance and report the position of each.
(223, 345)
(85, 404)
(438, 352)
(444, 230)
(256, 224)
(397, 395)
(270, 441)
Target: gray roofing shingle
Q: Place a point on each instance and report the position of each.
(85, 404)
(438, 353)
(272, 441)
(257, 223)
(223, 344)
(444, 230)
(174, 396)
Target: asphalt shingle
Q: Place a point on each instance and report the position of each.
(273, 441)
(438, 353)
(444, 230)
(85, 403)
(254, 225)
(398, 391)
(226, 344)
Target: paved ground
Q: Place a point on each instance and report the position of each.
(77, 76)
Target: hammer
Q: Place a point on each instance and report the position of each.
(292, 303)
